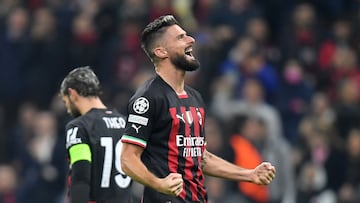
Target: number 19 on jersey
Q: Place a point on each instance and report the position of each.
(121, 179)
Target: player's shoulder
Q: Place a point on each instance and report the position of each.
(74, 130)
(95, 114)
(151, 89)
(114, 113)
(78, 122)
(92, 117)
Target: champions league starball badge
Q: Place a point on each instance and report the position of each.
(141, 105)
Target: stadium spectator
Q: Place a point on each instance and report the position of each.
(8, 184)
(252, 103)
(293, 97)
(347, 110)
(13, 43)
(251, 144)
(44, 165)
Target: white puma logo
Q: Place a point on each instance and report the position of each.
(181, 117)
(136, 128)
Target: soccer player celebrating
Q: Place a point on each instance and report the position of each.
(93, 142)
(164, 144)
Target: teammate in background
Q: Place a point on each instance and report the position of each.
(93, 142)
(164, 141)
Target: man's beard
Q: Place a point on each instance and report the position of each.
(180, 62)
(73, 111)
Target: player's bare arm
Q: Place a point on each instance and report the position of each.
(133, 166)
(215, 166)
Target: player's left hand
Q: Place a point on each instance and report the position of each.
(263, 174)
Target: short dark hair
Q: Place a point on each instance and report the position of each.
(154, 31)
(83, 80)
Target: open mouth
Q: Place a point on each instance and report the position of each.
(189, 52)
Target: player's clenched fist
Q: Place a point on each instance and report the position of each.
(172, 184)
(263, 174)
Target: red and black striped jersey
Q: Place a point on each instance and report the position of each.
(170, 128)
(101, 130)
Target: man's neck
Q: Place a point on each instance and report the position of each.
(86, 104)
(172, 76)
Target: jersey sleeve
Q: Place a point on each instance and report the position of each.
(139, 122)
(77, 143)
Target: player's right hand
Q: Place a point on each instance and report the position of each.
(172, 184)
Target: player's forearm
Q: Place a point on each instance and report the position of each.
(218, 167)
(133, 167)
(138, 172)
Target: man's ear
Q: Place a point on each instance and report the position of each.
(160, 52)
(73, 94)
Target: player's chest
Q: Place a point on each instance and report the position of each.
(187, 115)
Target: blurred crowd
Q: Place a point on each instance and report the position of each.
(281, 80)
